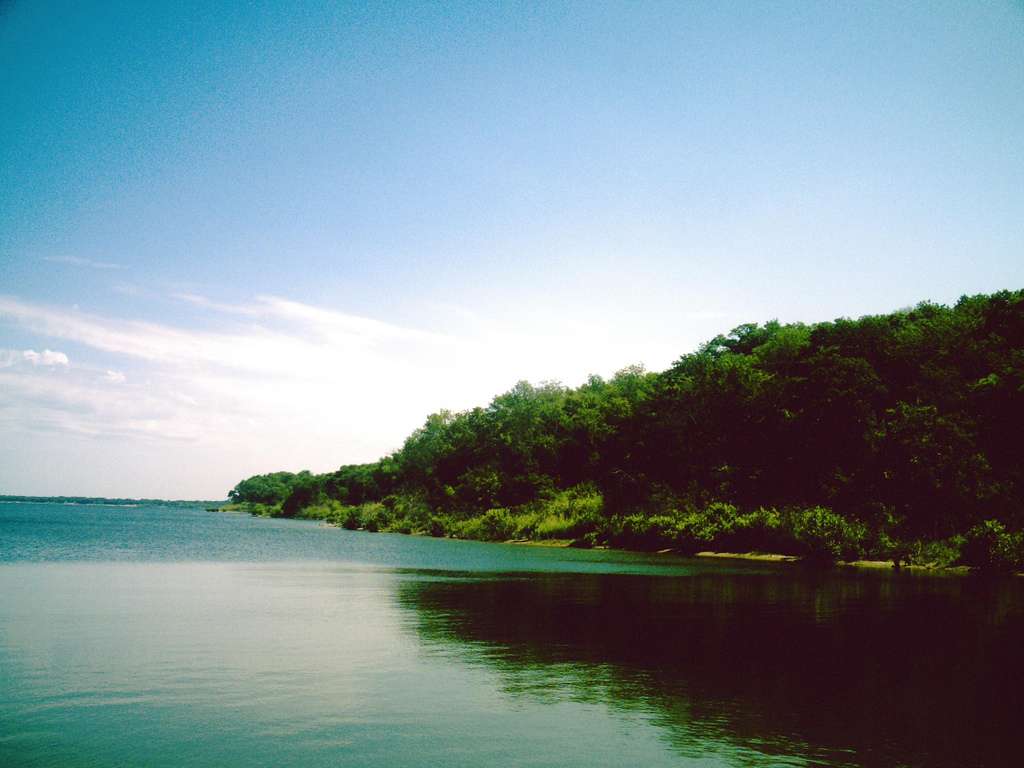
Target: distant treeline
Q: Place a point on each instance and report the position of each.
(108, 502)
(897, 436)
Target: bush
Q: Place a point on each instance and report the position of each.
(719, 526)
(305, 493)
(264, 510)
(569, 514)
(761, 530)
(350, 520)
(937, 554)
(554, 527)
(467, 529)
(498, 525)
(408, 513)
(526, 525)
(695, 531)
(374, 516)
(991, 547)
(644, 532)
(826, 536)
(330, 510)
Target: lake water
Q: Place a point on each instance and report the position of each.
(153, 636)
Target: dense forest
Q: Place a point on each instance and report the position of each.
(895, 436)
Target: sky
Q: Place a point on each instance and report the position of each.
(244, 237)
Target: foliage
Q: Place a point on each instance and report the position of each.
(990, 546)
(941, 553)
(887, 436)
(824, 535)
(264, 489)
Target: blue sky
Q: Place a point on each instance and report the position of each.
(256, 237)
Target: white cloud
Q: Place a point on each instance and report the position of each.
(706, 315)
(78, 261)
(334, 325)
(45, 358)
(328, 323)
(32, 401)
(202, 301)
(181, 397)
(279, 384)
(462, 313)
(337, 377)
(316, 337)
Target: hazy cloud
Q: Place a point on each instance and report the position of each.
(77, 405)
(335, 325)
(78, 261)
(205, 303)
(705, 315)
(128, 289)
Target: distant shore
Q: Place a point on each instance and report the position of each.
(104, 501)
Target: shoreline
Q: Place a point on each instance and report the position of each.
(774, 557)
(758, 557)
(865, 565)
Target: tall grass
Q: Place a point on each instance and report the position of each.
(578, 515)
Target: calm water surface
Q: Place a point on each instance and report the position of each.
(153, 636)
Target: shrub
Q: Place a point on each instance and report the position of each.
(937, 554)
(466, 529)
(695, 531)
(554, 527)
(760, 530)
(569, 514)
(826, 536)
(526, 525)
(374, 516)
(991, 547)
(644, 532)
(498, 525)
(330, 510)
(265, 510)
(408, 513)
(350, 519)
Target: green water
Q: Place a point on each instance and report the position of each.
(158, 637)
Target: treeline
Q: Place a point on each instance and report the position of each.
(896, 436)
(109, 502)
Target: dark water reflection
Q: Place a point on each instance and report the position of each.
(833, 669)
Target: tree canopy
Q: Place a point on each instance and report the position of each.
(906, 426)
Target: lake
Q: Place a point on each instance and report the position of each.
(153, 636)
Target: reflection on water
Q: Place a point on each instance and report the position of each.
(169, 637)
(836, 669)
